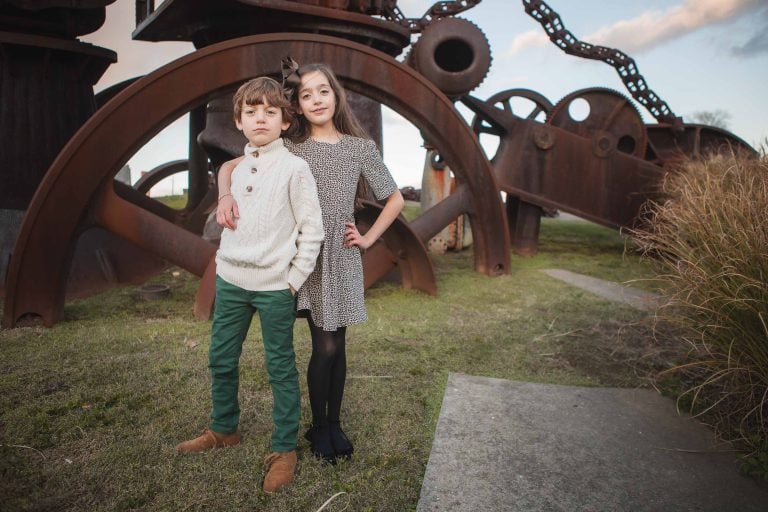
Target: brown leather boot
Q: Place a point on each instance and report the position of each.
(207, 441)
(280, 467)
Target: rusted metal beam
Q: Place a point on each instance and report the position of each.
(524, 223)
(433, 220)
(152, 233)
(577, 175)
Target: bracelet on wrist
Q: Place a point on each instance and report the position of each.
(223, 196)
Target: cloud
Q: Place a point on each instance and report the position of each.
(756, 44)
(652, 28)
(530, 39)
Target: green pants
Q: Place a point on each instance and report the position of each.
(231, 319)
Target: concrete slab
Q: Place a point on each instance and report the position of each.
(639, 299)
(518, 446)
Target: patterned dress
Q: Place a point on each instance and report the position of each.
(333, 292)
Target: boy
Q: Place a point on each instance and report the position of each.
(260, 264)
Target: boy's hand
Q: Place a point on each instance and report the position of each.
(227, 212)
(352, 237)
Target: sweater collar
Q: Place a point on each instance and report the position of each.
(258, 151)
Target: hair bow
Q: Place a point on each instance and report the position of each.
(291, 78)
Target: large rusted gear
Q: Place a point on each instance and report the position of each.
(613, 121)
(454, 54)
(534, 106)
(81, 178)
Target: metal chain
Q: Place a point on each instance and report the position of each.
(624, 64)
(437, 11)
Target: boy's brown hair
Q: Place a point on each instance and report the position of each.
(260, 91)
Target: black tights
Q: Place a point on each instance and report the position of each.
(327, 373)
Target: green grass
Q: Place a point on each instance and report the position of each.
(92, 408)
(411, 210)
(175, 202)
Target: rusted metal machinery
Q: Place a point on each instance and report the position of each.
(437, 183)
(46, 93)
(39, 266)
(47, 86)
(601, 168)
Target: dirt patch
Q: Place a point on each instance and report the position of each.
(622, 354)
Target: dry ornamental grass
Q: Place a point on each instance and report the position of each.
(709, 237)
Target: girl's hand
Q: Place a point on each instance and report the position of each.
(227, 212)
(352, 237)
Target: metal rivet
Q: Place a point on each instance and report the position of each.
(253, 170)
(248, 188)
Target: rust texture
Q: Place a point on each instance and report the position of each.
(37, 278)
(83, 231)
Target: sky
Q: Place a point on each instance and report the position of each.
(697, 55)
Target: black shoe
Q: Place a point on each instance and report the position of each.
(320, 440)
(340, 442)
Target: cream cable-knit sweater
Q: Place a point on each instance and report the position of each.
(280, 229)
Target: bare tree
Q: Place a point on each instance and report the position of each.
(719, 118)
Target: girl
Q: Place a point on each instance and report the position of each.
(328, 136)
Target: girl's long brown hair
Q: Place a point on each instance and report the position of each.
(344, 119)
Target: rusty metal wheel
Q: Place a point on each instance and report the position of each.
(521, 103)
(81, 178)
(608, 117)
